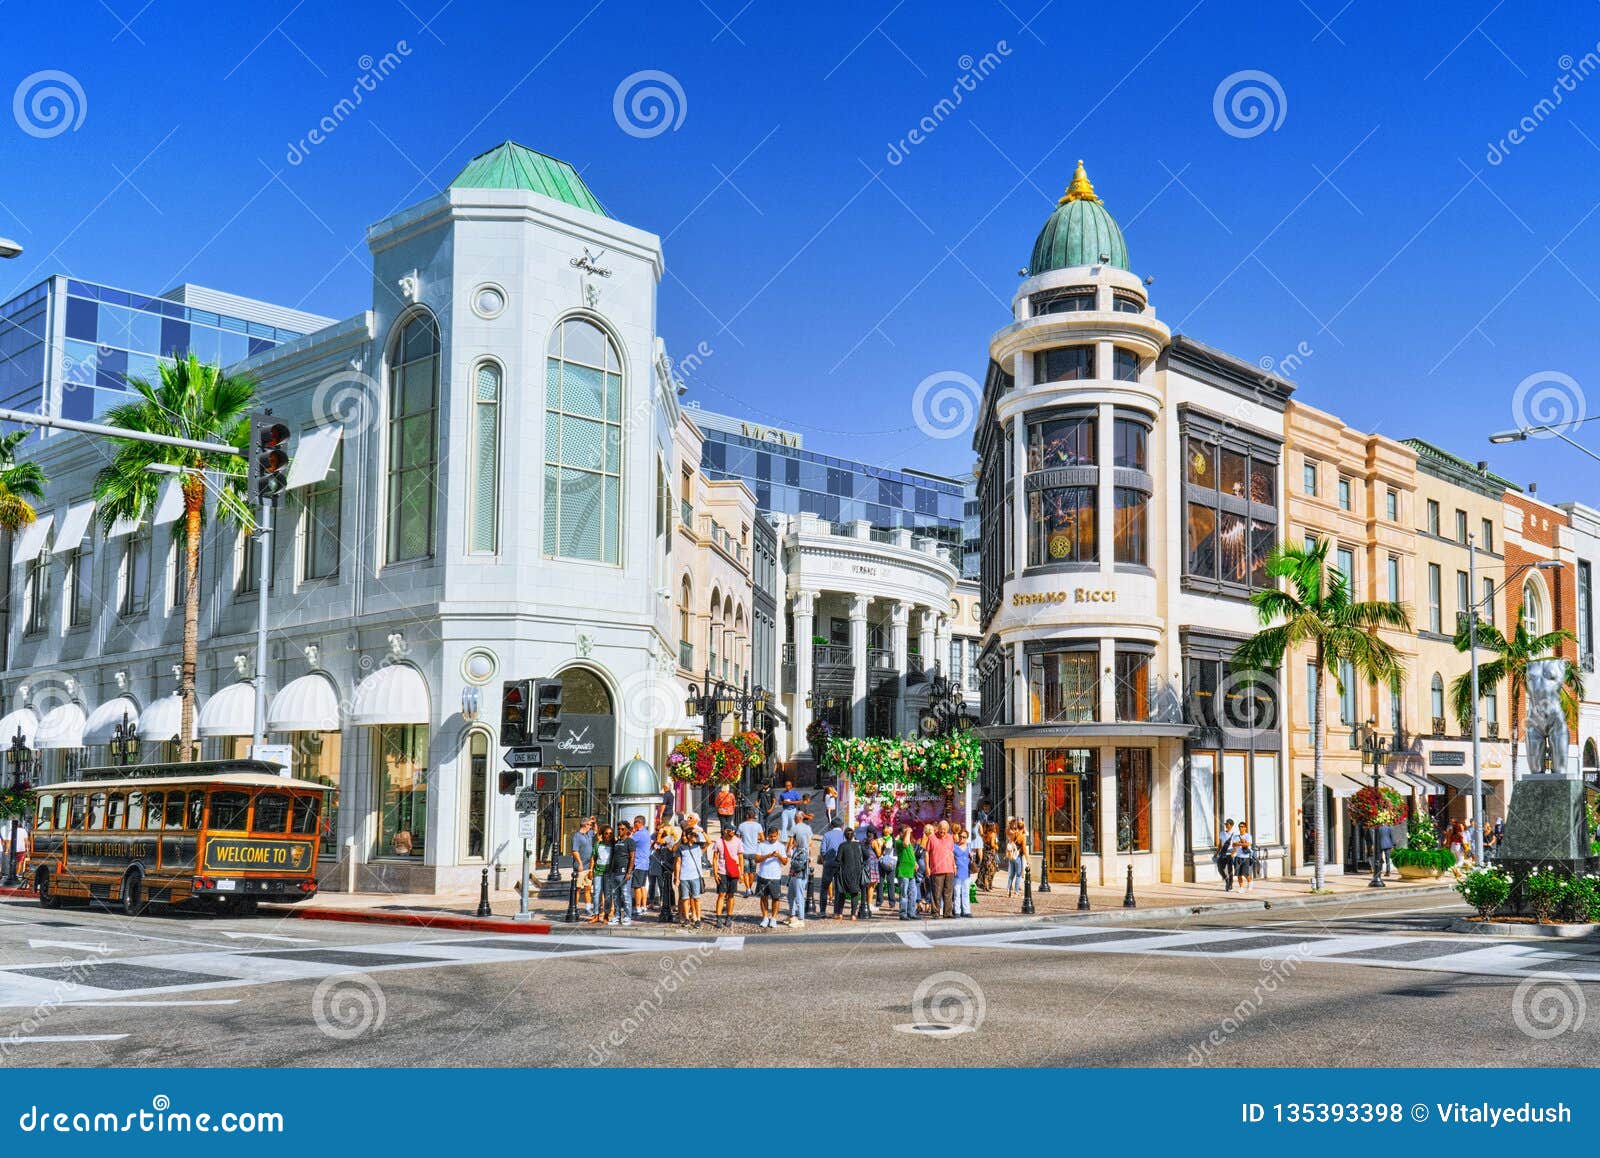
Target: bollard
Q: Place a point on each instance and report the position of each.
(1127, 899)
(1027, 890)
(1083, 890)
(1044, 881)
(483, 895)
(572, 902)
(813, 896)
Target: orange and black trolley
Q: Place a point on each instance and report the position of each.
(226, 833)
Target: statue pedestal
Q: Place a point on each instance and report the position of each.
(1546, 823)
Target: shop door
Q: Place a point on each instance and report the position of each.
(1063, 828)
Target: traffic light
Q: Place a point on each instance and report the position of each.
(510, 783)
(268, 456)
(547, 722)
(514, 699)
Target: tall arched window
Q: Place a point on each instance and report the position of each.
(482, 521)
(413, 440)
(713, 631)
(1532, 608)
(738, 648)
(685, 618)
(1436, 702)
(583, 444)
(474, 773)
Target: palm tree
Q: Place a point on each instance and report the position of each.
(1510, 666)
(193, 401)
(1317, 612)
(21, 485)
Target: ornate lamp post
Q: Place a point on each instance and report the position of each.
(1374, 747)
(20, 755)
(124, 742)
(946, 710)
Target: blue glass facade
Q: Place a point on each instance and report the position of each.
(788, 480)
(24, 338)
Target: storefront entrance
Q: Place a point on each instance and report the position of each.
(1062, 782)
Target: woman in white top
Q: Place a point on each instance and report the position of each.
(1014, 862)
(1243, 856)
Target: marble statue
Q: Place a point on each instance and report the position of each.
(1547, 722)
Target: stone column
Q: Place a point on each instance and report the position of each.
(858, 665)
(804, 612)
(941, 643)
(899, 617)
(925, 641)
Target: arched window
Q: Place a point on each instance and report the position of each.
(738, 653)
(474, 773)
(583, 444)
(729, 639)
(484, 494)
(714, 631)
(1436, 702)
(413, 440)
(685, 617)
(1591, 760)
(1532, 608)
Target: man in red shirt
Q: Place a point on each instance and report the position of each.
(940, 848)
(726, 802)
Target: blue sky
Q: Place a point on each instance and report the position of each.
(1369, 232)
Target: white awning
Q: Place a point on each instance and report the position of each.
(74, 526)
(62, 727)
(169, 506)
(31, 539)
(123, 526)
(307, 704)
(104, 720)
(23, 718)
(395, 694)
(311, 459)
(162, 719)
(231, 712)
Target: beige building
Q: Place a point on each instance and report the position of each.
(1357, 492)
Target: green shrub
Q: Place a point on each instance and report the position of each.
(1544, 893)
(1485, 889)
(1422, 834)
(1430, 858)
(1580, 899)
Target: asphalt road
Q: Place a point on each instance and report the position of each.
(1362, 983)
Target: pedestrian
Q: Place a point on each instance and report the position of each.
(831, 840)
(799, 848)
(602, 860)
(905, 872)
(883, 848)
(749, 836)
(727, 862)
(981, 816)
(1015, 844)
(789, 800)
(582, 857)
(961, 851)
(939, 847)
(620, 876)
(1386, 847)
(1456, 840)
(1225, 851)
(726, 802)
(850, 876)
(664, 872)
(770, 859)
(830, 803)
(642, 841)
(1243, 856)
(765, 808)
(691, 871)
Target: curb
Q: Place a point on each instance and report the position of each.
(1521, 931)
(1121, 914)
(415, 920)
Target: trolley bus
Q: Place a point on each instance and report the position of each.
(228, 833)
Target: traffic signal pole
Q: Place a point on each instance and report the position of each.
(263, 566)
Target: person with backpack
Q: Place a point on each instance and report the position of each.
(691, 871)
(1225, 863)
(602, 860)
(799, 869)
(727, 863)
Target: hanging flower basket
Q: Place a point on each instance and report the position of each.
(1377, 807)
(929, 766)
(750, 747)
(16, 802)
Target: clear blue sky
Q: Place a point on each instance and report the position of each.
(1369, 224)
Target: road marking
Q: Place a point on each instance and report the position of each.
(78, 945)
(915, 940)
(269, 937)
(730, 944)
(66, 1037)
(137, 1004)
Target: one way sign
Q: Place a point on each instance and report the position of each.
(528, 757)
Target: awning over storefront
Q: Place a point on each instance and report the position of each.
(231, 712)
(104, 719)
(395, 694)
(23, 719)
(307, 704)
(1417, 782)
(1462, 781)
(62, 727)
(161, 720)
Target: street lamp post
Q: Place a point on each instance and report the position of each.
(19, 762)
(1365, 736)
(124, 742)
(716, 699)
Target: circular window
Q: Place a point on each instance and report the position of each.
(488, 301)
(478, 666)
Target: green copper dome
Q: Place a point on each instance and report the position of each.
(1078, 232)
(514, 166)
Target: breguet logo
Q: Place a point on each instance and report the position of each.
(576, 743)
(1076, 595)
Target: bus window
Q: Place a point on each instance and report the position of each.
(63, 812)
(153, 805)
(116, 808)
(135, 810)
(197, 807)
(305, 814)
(229, 810)
(80, 812)
(175, 812)
(97, 812)
(272, 813)
(47, 813)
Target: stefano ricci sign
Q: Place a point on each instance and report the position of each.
(1077, 595)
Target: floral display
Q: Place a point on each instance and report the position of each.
(16, 802)
(751, 745)
(1376, 807)
(696, 761)
(932, 766)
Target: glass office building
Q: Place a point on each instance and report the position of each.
(788, 480)
(68, 347)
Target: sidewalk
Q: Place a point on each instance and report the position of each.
(1060, 903)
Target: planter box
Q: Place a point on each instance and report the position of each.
(1495, 928)
(1416, 872)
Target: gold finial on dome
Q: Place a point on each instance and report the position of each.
(1080, 189)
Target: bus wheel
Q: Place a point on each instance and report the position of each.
(47, 899)
(132, 900)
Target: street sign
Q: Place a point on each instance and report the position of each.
(531, 756)
(527, 801)
(525, 826)
(280, 754)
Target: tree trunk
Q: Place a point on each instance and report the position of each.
(193, 497)
(1516, 703)
(1319, 741)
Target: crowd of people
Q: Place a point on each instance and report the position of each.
(859, 871)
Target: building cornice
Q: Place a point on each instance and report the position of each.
(1225, 372)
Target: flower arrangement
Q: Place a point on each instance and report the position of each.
(1423, 833)
(932, 766)
(1377, 807)
(16, 802)
(819, 734)
(752, 748)
(696, 761)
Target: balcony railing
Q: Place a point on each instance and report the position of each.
(1438, 725)
(686, 512)
(1492, 729)
(685, 655)
(880, 657)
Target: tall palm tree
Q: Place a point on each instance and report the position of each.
(1510, 666)
(195, 401)
(1316, 612)
(21, 486)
